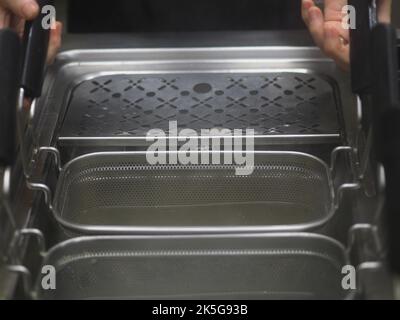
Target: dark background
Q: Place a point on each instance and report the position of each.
(182, 15)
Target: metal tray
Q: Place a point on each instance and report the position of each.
(282, 266)
(273, 104)
(121, 193)
(111, 98)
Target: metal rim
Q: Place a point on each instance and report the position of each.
(114, 230)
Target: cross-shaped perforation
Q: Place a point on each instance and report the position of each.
(132, 104)
(132, 84)
(236, 83)
(168, 84)
(101, 86)
(271, 102)
(167, 103)
(305, 83)
(203, 103)
(237, 102)
(271, 82)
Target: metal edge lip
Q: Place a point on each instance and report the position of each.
(182, 230)
(93, 75)
(307, 235)
(69, 53)
(194, 62)
(118, 230)
(154, 61)
(93, 229)
(143, 153)
(142, 141)
(272, 137)
(68, 58)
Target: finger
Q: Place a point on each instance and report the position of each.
(385, 11)
(335, 48)
(18, 24)
(25, 9)
(333, 9)
(305, 7)
(4, 18)
(316, 25)
(27, 104)
(340, 30)
(55, 42)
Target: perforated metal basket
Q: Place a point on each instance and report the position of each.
(295, 266)
(122, 193)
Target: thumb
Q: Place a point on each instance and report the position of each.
(25, 9)
(384, 11)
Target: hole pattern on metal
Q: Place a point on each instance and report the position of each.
(271, 104)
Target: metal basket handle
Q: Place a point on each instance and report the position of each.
(35, 48)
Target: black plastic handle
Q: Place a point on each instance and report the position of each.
(391, 161)
(9, 76)
(360, 47)
(35, 47)
(386, 122)
(398, 59)
(385, 92)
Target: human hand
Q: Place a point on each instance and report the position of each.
(327, 30)
(14, 13)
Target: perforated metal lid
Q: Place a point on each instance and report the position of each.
(273, 104)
